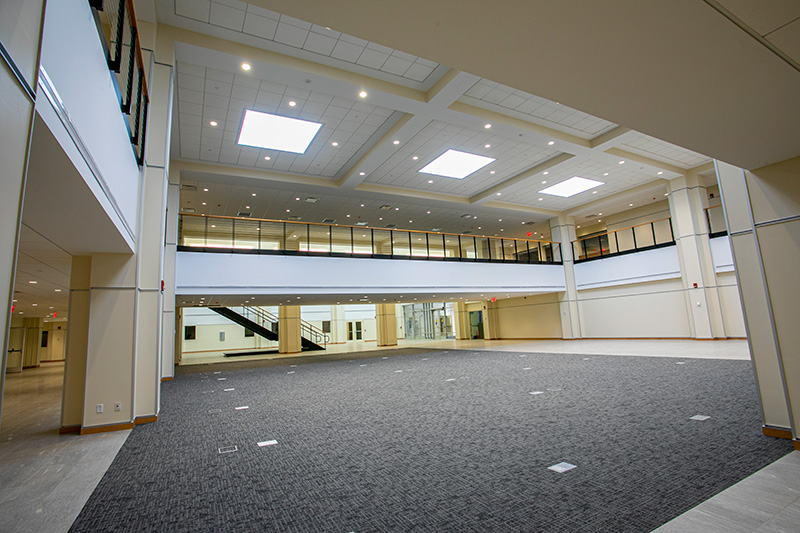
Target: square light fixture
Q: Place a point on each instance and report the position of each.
(455, 164)
(274, 132)
(571, 187)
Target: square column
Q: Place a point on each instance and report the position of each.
(562, 231)
(461, 321)
(386, 322)
(762, 210)
(687, 198)
(289, 340)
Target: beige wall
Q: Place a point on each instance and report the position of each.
(731, 305)
(531, 317)
(207, 339)
(56, 341)
(652, 309)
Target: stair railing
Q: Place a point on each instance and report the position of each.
(267, 319)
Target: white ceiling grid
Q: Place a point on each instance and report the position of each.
(496, 97)
(302, 39)
(664, 151)
(512, 157)
(41, 261)
(206, 95)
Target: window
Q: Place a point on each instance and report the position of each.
(190, 333)
(326, 326)
(44, 338)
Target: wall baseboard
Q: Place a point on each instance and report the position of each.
(69, 429)
(145, 419)
(167, 379)
(797, 445)
(781, 433)
(102, 429)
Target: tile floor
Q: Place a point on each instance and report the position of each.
(45, 478)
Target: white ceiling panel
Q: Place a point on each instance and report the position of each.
(664, 151)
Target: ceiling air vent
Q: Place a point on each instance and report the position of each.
(436, 229)
(591, 216)
(385, 207)
(390, 226)
(188, 187)
(466, 233)
(361, 223)
(328, 220)
(188, 210)
(311, 200)
(466, 216)
(243, 214)
(294, 217)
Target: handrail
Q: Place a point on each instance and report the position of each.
(128, 79)
(360, 227)
(314, 334)
(624, 240)
(210, 233)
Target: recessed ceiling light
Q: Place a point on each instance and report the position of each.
(487, 145)
(659, 173)
(571, 187)
(274, 132)
(204, 203)
(599, 214)
(34, 305)
(491, 172)
(247, 207)
(252, 194)
(395, 141)
(594, 192)
(622, 162)
(630, 205)
(429, 212)
(397, 209)
(410, 221)
(456, 164)
(363, 94)
(205, 190)
(498, 194)
(430, 181)
(599, 220)
(212, 123)
(487, 126)
(415, 158)
(551, 143)
(33, 282)
(544, 181)
(292, 103)
(334, 143)
(56, 290)
(361, 173)
(666, 194)
(540, 199)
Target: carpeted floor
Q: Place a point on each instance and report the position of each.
(437, 441)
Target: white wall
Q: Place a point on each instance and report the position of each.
(731, 304)
(721, 254)
(208, 325)
(650, 265)
(531, 317)
(80, 75)
(199, 273)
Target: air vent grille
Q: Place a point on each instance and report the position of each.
(328, 220)
(390, 226)
(188, 187)
(385, 207)
(243, 214)
(188, 210)
(311, 200)
(294, 217)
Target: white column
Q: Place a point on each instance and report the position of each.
(562, 231)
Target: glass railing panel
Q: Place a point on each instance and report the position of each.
(271, 236)
(400, 244)
(296, 238)
(245, 234)
(509, 250)
(193, 231)
(362, 241)
(382, 242)
(591, 247)
(523, 256)
(644, 236)
(715, 218)
(319, 239)
(419, 244)
(577, 250)
(219, 233)
(341, 240)
(435, 245)
(551, 252)
(451, 248)
(482, 248)
(467, 247)
(624, 240)
(663, 231)
(496, 249)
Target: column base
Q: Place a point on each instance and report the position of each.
(781, 433)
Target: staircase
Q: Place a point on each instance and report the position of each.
(265, 324)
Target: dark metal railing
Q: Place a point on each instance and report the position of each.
(715, 219)
(622, 241)
(203, 233)
(119, 34)
(270, 321)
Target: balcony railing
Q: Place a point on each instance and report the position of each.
(119, 34)
(715, 218)
(244, 235)
(623, 241)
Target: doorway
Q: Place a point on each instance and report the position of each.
(476, 324)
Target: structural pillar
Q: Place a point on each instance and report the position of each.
(687, 200)
(289, 340)
(338, 325)
(32, 352)
(562, 231)
(490, 324)
(461, 321)
(386, 322)
(77, 343)
(762, 210)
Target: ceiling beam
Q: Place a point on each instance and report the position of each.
(646, 161)
(491, 192)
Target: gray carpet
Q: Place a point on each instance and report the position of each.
(388, 443)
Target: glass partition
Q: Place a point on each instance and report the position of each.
(640, 237)
(199, 232)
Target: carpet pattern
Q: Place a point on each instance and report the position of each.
(437, 441)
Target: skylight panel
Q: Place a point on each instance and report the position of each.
(274, 132)
(571, 187)
(455, 164)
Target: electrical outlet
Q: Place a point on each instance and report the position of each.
(99, 408)
(117, 406)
